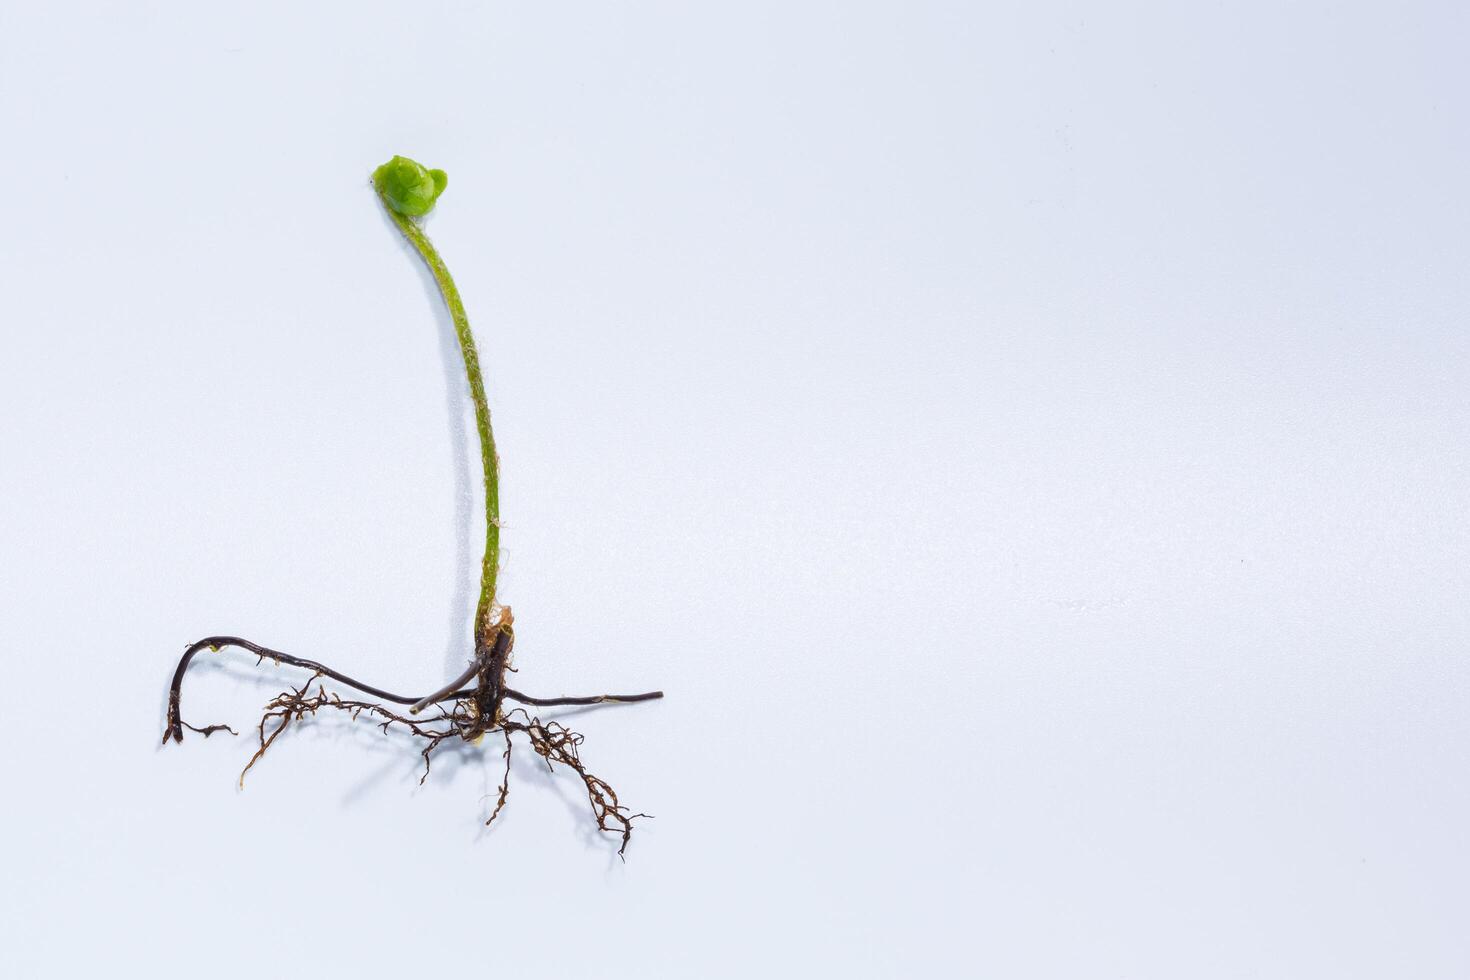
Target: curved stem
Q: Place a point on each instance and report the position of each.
(488, 459)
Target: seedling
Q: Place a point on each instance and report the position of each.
(474, 703)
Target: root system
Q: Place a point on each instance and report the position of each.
(465, 713)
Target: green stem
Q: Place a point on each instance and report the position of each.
(491, 462)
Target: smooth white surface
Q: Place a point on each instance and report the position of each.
(1027, 442)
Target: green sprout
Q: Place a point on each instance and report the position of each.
(408, 190)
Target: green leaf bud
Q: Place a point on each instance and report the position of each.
(408, 187)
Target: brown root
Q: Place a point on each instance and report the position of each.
(558, 744)
(465, 714)
(207, 730)
(554, 742)
(504, 781)
(296, 705)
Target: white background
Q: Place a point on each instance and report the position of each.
(1026, 441)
